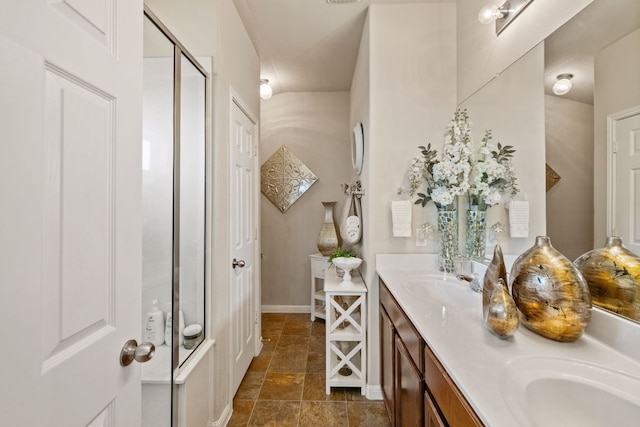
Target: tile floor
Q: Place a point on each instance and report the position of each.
(285, 384)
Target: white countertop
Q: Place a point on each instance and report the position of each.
(450, 321)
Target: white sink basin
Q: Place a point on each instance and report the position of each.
(550, 391)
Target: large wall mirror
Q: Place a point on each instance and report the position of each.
(600, 46)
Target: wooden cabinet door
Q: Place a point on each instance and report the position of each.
(409, 390)
(431, 415)
(387, 362)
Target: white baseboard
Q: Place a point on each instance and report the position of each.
(224, 417)
(286, 309)
(374, 392)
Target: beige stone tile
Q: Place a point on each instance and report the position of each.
(325, 414)
(273, 413)
(298, 318)
(282, 386)
(241, 413)
(370, 413)
(296, 328)
(288, 361)
(314, 389)
(250, 385)
(260, 363)
(272, 329)
(274, 317)
(293, 343)
(317, 344)
(355, 394)
(318, 328)
(316, 363)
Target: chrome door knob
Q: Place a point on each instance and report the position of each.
(140, 353)
(237, 263)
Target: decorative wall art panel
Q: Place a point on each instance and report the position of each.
(285, 178)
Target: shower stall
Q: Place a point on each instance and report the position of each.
(174, 206)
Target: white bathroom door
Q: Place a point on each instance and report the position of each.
(70, 186)
(243, 243)
(626, 205)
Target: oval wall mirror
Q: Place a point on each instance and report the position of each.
(357, 148)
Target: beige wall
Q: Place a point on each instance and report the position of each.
(569, 147)
(482, 54)
(617, 88)
(315, 127)
(404, 91)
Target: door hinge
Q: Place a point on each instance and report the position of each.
(256, 318)
(615, 147)
(255, 234)
(255, 150)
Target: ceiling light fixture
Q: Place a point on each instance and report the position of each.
(265, 89)
(563, 85)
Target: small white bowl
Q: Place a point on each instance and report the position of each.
(347, 264)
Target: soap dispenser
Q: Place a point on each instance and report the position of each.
(154, 326)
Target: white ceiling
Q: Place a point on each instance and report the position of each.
(311, 45)
(307, 45)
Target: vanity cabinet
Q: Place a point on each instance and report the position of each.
(416, 388)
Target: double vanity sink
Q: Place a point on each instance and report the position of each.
(526, 380)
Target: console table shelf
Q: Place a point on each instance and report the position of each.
(319, 263)
(346, 308)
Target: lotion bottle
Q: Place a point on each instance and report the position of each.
(168, 331)
(154, 326)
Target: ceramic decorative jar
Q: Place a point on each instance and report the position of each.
(495, 270)
(613, 276)
(550, 293)
(329, 238)
(502, 314)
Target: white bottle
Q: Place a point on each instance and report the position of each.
(180, 328)
(154, 326)
(168, 332)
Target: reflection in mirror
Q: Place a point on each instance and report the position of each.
(601, 48)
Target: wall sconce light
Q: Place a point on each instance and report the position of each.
(490, 13)
(265, 89)
(563, 85)
(502, 15)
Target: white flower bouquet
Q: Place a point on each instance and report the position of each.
(447, 178)
(493, 174)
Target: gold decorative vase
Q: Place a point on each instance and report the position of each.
(496, 270)
(328, 239)
(502, 314)
(613, 276)
(550, 292)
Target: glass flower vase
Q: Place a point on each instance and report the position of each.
(448, 248)
(476, 240)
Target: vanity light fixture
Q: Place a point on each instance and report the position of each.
(489, 13)
(265, 89)
(502, 14)
(563, 84)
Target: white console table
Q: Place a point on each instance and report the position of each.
(319, 263)
(346, 333)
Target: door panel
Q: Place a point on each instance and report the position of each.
(627, 182)
(70, 114)
(243, 226)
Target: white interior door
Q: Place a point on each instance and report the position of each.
(70, 117)
(243, 238)
(626, 220)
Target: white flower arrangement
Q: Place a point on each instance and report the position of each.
(448, 177)
(493, 174)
